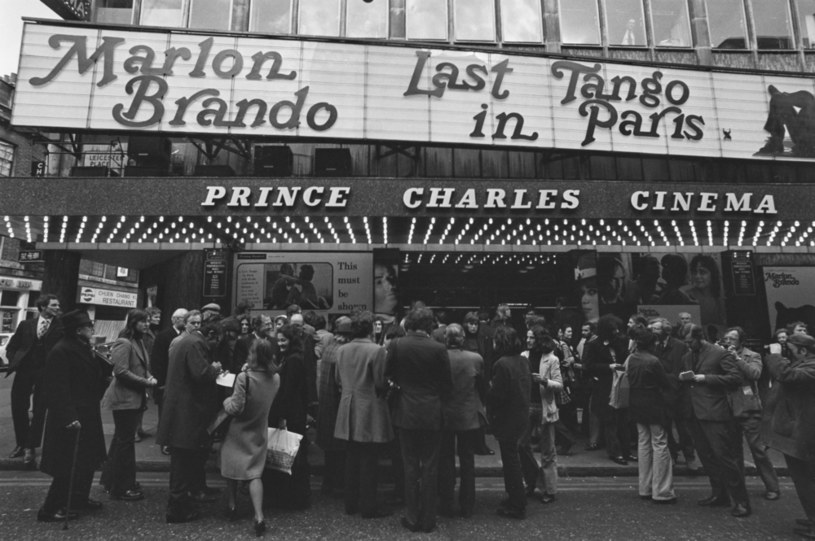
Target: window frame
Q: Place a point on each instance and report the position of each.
(12, 148)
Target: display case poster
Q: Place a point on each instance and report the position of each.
(790, 295)
(327, 282)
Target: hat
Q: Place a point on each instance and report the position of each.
(803, 340)
(342, 325)
(75, 319)
(212, 307)
(230, 324)
(586, 266)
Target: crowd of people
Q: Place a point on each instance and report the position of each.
(422, 392)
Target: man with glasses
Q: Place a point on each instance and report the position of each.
(788, 423)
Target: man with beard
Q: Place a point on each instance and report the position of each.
(712, 373)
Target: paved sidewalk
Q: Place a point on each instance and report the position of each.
(149, 457)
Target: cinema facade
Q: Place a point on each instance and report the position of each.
(490, 159)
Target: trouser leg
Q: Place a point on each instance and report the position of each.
(645, 462)
(752, 433)
(513, 479)
(709, 460)
(662, 481)
(21, 389)
(182, 477)
(410, 458)
(122, 472)
(467, 442)
(447, 471)
(368, 477)
(548, 458)
(802, 473)
(429, 459)
(352, 467)
(34, 437)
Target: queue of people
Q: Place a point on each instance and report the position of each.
(424, 396)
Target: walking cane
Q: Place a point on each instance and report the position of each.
(71, 480)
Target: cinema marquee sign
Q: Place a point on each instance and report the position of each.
(80, 77)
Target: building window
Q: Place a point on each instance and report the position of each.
(579, 22)
(162, 13)
(6, 158)
(671, 23)
(367, 19)
(270, 16)
(426, 19)
(806, 21)
(114, 11)
(474, 20)
(211, 14)
(521, 21)
(626, 23)
(773, 24)
(726, 24)
(319, 18)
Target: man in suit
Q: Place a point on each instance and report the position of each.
(671, 353)
(159, 357)
(189, 407)
(421, 367)
(363, 419)
(27, 351)
(715, 431)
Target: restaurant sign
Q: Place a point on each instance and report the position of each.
(75, 76)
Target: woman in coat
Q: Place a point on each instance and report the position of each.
(508, 408)
(363, 418)
(788, 425)
(73, 384)
(243, 454)
(127, 397)
(551, 382)
(649, 384)
(289, 411)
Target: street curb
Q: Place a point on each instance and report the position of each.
(163, 466)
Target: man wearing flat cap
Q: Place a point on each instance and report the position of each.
(73, 385)
(788, 416)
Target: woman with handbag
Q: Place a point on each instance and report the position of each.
(127, 397)
(551, 384)
(243, 454)
(648, 408)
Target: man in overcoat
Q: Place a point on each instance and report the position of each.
(73, 384)
(189, 407)
(27, 350)
(788, 416)
(363, 418)
(715, 431)
(160, 357)
(421, 367)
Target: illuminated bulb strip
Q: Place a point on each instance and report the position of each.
(384, 230)
(45, 223)
(429, 230)
(412, 230)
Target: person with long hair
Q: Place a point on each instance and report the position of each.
(705, 290)
(289, 411)
(243, 454)
(127, 397)
(508, 408)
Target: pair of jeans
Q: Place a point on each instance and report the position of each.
(513, 478)
(121, 466)
(420, 453)
(654, 462)
(465, 442)
(548, 458)
(529, 466)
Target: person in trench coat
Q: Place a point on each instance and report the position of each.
(73, 383)
(363, 418)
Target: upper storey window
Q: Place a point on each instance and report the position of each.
(270, 16)
(806, 21)
(726, 24)
(319, 18)
(366, 19)
(579, 22)
(521, 21)
(773, 24)
(474, 20)
(114, 11)
(211, 14)
(426, 19)
(162, 13)
(671, 23)
(626, 23)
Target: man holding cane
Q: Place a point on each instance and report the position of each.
(73, 385)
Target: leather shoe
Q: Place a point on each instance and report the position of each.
(406, 524)
(378, 513)
(128, 496)
(619, 460)
(90, 505)
(740, 511)
(547, 498)
(592, 447)
(17, 452)
(165, 450)
(713, 501)
(772, 495)
(202, 497)
(56, 516)
(186, 517)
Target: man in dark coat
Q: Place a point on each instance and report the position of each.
(159, 358)
(73, 384)
(715, 431)
(671, 353)
(27, 351)
(421, 367)
(788, 416)
(189, 407)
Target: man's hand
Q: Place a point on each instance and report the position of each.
(775, 348)
(699, 378)
(217, 366)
